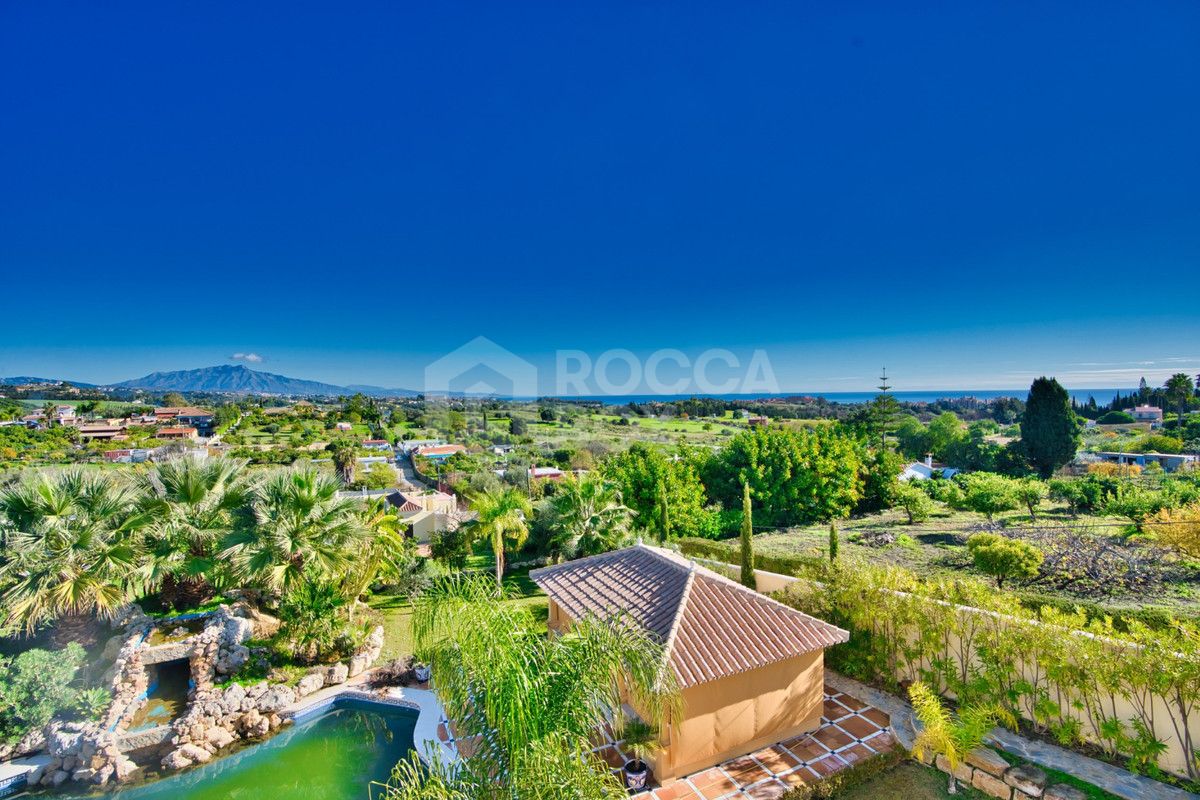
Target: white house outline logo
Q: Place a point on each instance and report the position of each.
(473, 369)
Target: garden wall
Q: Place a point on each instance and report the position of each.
(1065, 681)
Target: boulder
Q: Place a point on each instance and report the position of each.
(232, 659)
(988, 760)
(83, 775)
(1028, 778)
(310, 683)
(336, 674)
(219, 738)
(195, 753)
(991, 785)
(232, 700)
(176, 760)
(59, 778)
(359, 664)
(1061, 791)
(275, 698)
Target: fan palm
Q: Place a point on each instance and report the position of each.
(502, 515)
(532, 701)
(193, 505)
(297, 528)
(589, 517)
(72, 550)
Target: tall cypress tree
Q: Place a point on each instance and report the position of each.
(747, 540)
(833, 540)
(1049, 430)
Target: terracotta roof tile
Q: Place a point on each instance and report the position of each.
(710, 626)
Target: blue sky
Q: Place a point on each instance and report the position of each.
(972, 194)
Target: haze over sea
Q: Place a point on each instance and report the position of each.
(1103, 396)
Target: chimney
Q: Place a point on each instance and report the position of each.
(929, 460)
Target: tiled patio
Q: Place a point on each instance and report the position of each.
(850, 731)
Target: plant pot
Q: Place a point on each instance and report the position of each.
(421, 671)
(636, 773)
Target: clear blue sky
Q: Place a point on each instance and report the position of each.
(969, 193)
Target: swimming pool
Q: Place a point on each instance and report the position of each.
(334, 755)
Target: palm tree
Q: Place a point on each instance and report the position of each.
(532, 701)
(589, 517)
(1179, 389)
(297, 528)
(71, 553)
(501, 518)
(385, 554)
(345, 459)
(194, 505)
(943, 735)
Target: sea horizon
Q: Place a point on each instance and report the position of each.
(1102, 396)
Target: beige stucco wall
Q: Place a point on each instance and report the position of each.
(738, 714)
(743, 713)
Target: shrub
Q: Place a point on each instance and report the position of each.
(450, 547)
(34, 687)
(857, 774)
(1004, 558)
(915, 503)
(1157, 443)
(1115, 418)
(989, 494)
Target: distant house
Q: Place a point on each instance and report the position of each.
(344, 426)
(926, 470)
(1170, 462)
(410, 445)
(757, 422)
(440, 452)
(102, 431)
(187, 417)
(546, 473)
(176, 433)
(377, 444)
(134, 456)
(425, 512)
(1151, 414)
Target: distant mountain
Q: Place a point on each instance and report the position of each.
(241, 380)
(18, 380)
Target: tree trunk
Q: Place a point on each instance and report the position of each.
(83, 629)
(192, 592)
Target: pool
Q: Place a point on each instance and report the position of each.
(334, 755)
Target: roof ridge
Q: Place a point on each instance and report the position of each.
(676, 623)
(708, 573)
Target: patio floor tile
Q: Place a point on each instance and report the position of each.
(768, 790)
(858, 727)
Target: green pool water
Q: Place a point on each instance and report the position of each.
(334, 756)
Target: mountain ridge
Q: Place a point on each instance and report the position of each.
(240, 379)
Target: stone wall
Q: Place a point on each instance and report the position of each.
(987, 771)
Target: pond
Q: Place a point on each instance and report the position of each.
(332, 756)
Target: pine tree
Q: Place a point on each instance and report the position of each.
(833, 540)
(747, 540)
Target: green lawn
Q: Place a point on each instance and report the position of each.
(910, 781)
(397, 612)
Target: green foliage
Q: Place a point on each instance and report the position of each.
(915, 502)
(880, 484)
(380, 476)
(1057, 668)
(944, 735)
(35, 686)
(1004, 558)
(1115, 418)
(1031, 492)
(988, 494)
(640, 738)
(666, 496)
(586, 517)
(1156, 443)
(313, 616)
(747, 541)
(533, 701)
(1136, 503)
(451, 547)
(834, 540)
(857, 774)
(1049, 430)
(501, 519)
(796, 477)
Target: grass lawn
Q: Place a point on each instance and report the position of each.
(909, 781)
(397, 612)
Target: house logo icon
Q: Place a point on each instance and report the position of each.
(481, 367)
